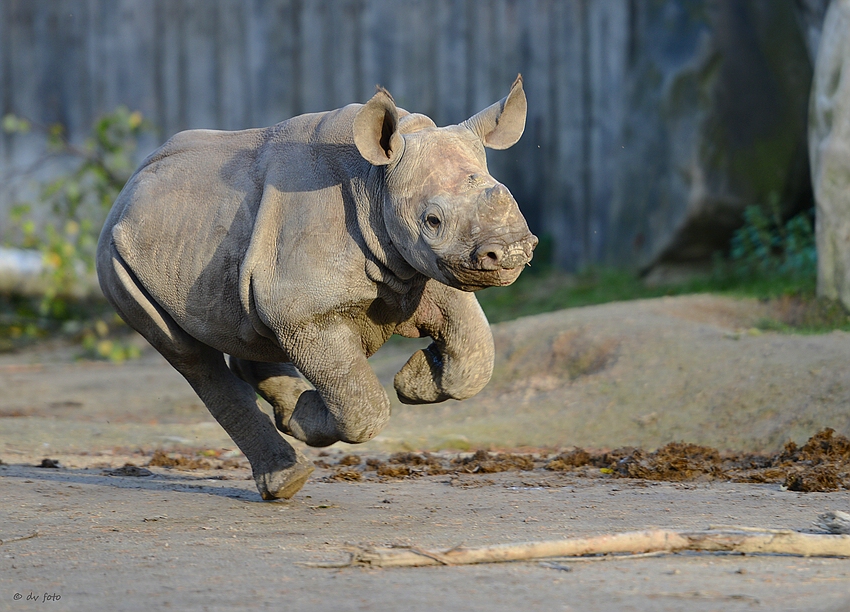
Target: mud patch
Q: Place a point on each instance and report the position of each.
(401, 465)
(819, 478)
(345, 476)
(394, 471)
(199, 460)
(674, 462)
(822, 464)
(166, 460)
(488, 463)
(571, 459)
(129, 470)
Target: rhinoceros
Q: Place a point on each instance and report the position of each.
(275, 261)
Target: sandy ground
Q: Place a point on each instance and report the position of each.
(641, 373)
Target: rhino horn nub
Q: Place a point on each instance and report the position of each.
(507, 242)
(498, 208)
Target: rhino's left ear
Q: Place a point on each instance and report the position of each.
(376, 130)
(499, 126)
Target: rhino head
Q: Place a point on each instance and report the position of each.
(446, 215)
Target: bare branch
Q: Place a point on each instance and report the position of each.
(728, 539)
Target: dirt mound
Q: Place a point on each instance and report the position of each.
(674, 462)
(564, 356)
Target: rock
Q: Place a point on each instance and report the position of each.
(810, 15)
(717, 122)
(829, 151)
(837, 522)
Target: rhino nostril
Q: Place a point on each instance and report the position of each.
(489, 256)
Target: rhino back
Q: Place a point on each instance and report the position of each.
(219, 226)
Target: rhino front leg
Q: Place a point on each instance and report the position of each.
(279, 470)
(279, 384)
(348, 403)
(459, 363)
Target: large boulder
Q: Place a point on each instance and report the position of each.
(810, 15)
(718, 98)
(829, 150)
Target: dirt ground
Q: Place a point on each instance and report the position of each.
(146, 504)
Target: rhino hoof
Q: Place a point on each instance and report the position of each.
(283, 484)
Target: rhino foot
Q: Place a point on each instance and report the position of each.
(283, 484)
(417, 381)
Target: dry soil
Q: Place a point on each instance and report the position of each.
(144, 503)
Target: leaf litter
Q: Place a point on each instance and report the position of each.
(821, 464)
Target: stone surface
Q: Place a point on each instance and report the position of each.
(718, 99)
(829, 149)
(810, 15)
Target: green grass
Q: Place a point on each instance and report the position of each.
(538, 292)
(791, 298)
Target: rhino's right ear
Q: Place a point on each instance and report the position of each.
(376, 130)
(500, 125)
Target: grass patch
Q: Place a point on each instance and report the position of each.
(90, 324)
(805, 315)
(546, 291)
(791, 298)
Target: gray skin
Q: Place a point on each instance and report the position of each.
(297, 250)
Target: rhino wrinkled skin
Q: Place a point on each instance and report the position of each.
(297, 250)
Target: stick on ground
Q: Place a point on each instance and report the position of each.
(728, 539)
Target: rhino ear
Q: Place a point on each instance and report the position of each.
(376, 130)
(499, 126)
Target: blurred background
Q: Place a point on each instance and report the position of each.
(672, 147)
(662, 135)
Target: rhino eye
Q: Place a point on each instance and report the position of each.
(433, 221)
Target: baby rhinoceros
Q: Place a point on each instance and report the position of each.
(297, 250)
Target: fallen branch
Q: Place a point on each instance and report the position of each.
(34, 534)
(727, 539)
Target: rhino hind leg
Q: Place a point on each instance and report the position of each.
(280, 384)
(279, 469)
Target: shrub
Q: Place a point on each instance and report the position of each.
(767, 246)
(64, 222)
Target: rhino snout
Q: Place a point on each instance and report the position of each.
(497, 255)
